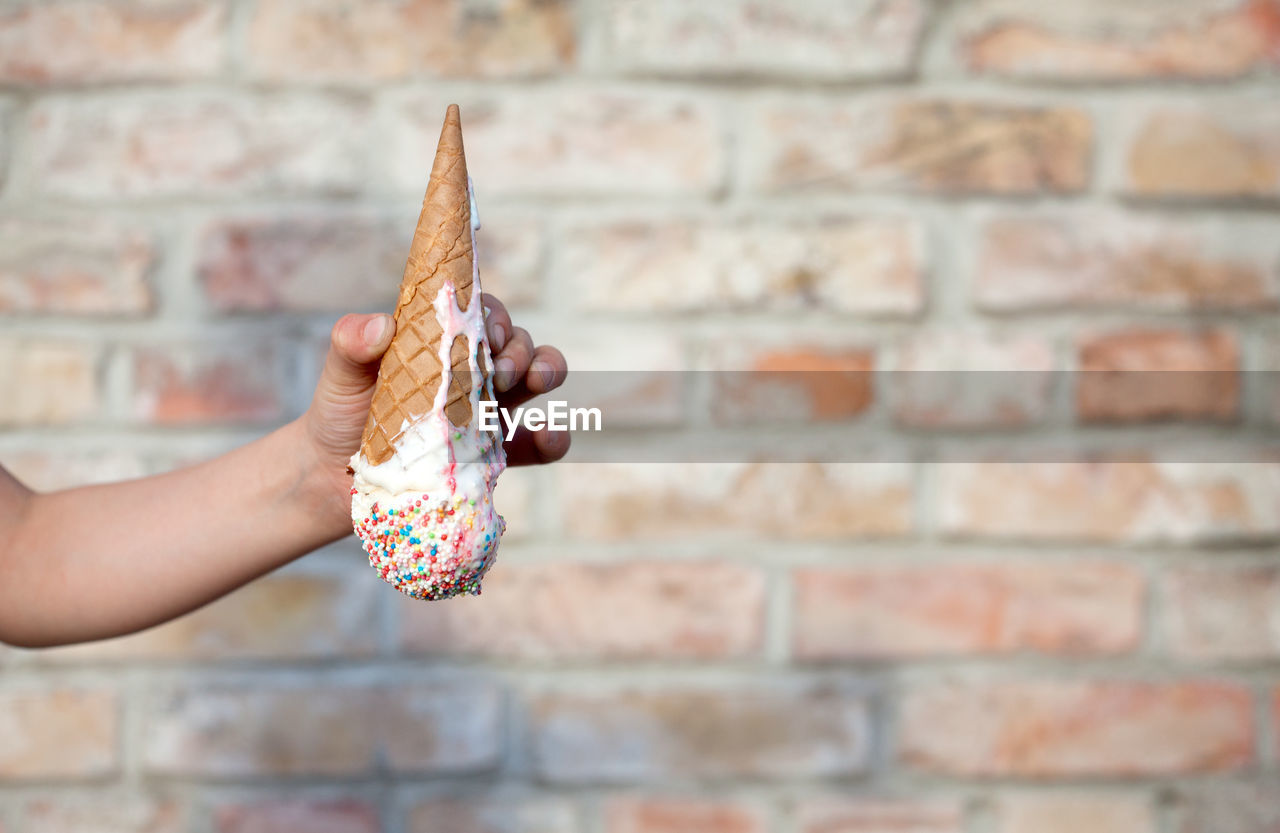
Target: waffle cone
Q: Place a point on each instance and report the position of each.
(410, 373)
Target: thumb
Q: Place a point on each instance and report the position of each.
(355, 346)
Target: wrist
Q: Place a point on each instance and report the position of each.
(322, 486)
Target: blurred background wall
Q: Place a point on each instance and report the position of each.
(194, 190)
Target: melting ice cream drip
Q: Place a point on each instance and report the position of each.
(426, 515)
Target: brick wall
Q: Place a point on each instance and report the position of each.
(193, 190)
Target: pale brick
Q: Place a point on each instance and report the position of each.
(59, 733)
(771, 729)
(1225, 148)
(348, 262)
(74, 266)
(107, 814)
(1098, 258)
(630, 372)
(441, 727)
(6, 120)
(386, 40)
(48, 383)
(236, 731)
(201, 144)
(916, 144)
(943, 609)
(493, 814)
(1149, 374)
(760, 382)
(1252, 807)
(126, 40)
(655, 814)
(1110, 500)
(1051, 729)
(1268, 376)
(813, 500)
(46, 471)
(636, 609)
(203, 383)
(1099, 40)
(290, 615)
(1073, 812)
(567, 142)
(313, 816)
(832, 814)
(1223, 612)
(222, 731)
(845, 264)
(964, 380)
(812, 38)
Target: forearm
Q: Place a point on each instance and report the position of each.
(108, 560)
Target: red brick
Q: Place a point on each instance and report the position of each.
(940, 609)
(775, 38)
(1275, 717)
(55, 382)
(237, 731)
(202, 383)
(46, 471)
(565, 142)
(1054, 729)
(1100, 40)
(650, 814)
(813, 500)
(797, 383)
(288, 615)
(1092, 258)
(314, 816)
(1251, 807)
(196, 144)
(926, 145)
(1147, 374)
(635, 609)
(493, 814)
(967, 380)
(127, 40)
(1223, 612)
(773, 729)
(59, 733)
(1223, 149)
(842, 264)
(832, 814)
(75, 267)
(112, 814)
(1110, 500)
(1070, 812)
(341, 263)
(385, 40)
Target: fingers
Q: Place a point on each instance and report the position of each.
(531, 448)
(356, 344)
(512, 362)
(547, 371)
(497, 323)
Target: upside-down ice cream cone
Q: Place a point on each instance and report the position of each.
(422, 493)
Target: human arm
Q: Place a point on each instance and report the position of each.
(100, 561)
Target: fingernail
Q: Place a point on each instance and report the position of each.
(497, 337)
(545, 373)
(375, 328)
(504, 373)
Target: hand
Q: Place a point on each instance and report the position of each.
(335, 421)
